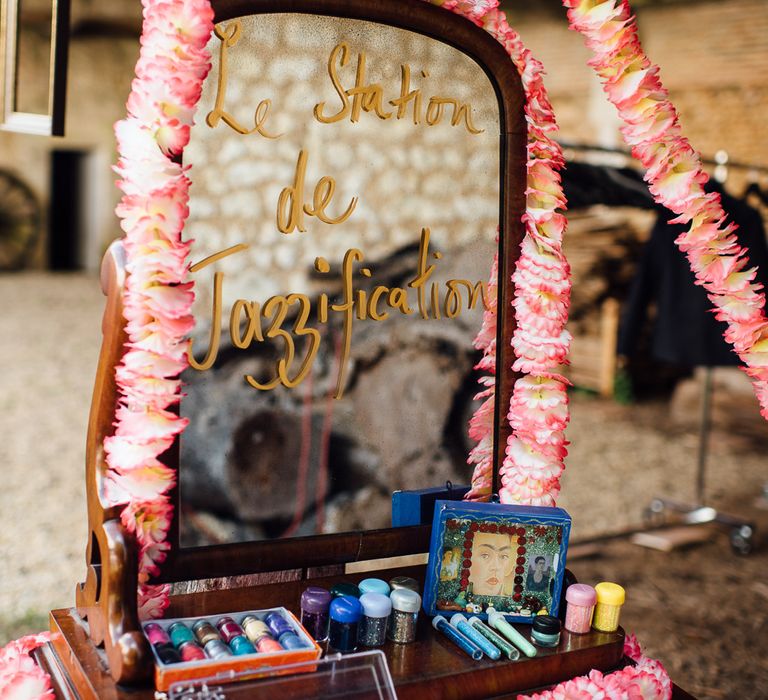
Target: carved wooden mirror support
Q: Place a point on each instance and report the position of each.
(107, 598)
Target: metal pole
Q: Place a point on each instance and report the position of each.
(704, 428)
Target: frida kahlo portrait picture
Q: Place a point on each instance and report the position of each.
(511, 558)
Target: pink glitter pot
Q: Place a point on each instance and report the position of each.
(581, 601)
(156, 634)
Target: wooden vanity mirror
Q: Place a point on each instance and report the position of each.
(330, 127)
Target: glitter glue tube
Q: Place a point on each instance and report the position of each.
(156, 634)
(257, 631)
(580, 603)
(373, 585)
(460, 623)
(314, 612)
(466, 645)
(610, 598)
(499, 623)
(508, 649)
(373, 627)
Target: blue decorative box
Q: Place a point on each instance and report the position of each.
(416, 507)
(482, 555)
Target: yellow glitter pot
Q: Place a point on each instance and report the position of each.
(610, 598)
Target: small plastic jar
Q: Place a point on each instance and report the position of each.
(580, 599)
(373, 626)
(228, 629)
(180, 633)
(156, 634)
(283, 632)
(373, 585)
(345, 613)
(405, 614)
(191, 651)
(546, 631)
(399, 582)
(258, 633)
(205, 632)
(241, 646)
(315, 602)
(610, 598)
(168, 653)
(216, 649)
(343, 588)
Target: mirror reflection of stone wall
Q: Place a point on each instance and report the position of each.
(299, 461)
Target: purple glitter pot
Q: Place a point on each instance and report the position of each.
(315, 602)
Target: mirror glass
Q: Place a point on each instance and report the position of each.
(344, 210)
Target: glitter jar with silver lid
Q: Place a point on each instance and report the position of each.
(399, 582)
(373, 626)
(405, 614)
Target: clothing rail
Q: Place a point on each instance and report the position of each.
(721, 158)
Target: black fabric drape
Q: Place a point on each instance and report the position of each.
(685, 330)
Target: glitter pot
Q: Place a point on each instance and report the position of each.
(345, 614)
(216, 649)
(282, 629)
(546, 631)
(229, 629)
(580, 600)
(205, 632)
(168, 653)
(507, 648)
(180, 633)
(240, 646)
(373, 626)
(257, 631)
(405, 614)
(407, 582)
(340, 589)
(191, 651)
(156, 634)
(610, 598)
(373, 585)
(314, 612)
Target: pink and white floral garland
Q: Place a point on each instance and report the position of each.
(538, 411)
(20, 677)
(646, 679)
(158, 298)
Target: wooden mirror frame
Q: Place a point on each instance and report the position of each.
(108, 598)
(52, 122)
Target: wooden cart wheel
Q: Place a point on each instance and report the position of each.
(19, 221)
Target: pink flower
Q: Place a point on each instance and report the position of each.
(153, 600)
(20, 677)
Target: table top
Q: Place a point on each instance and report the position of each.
(431, 667)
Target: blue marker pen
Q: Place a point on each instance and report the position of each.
(460, 623)
(467, 645)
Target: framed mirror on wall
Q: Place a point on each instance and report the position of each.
(355, 167)
(34, 39)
